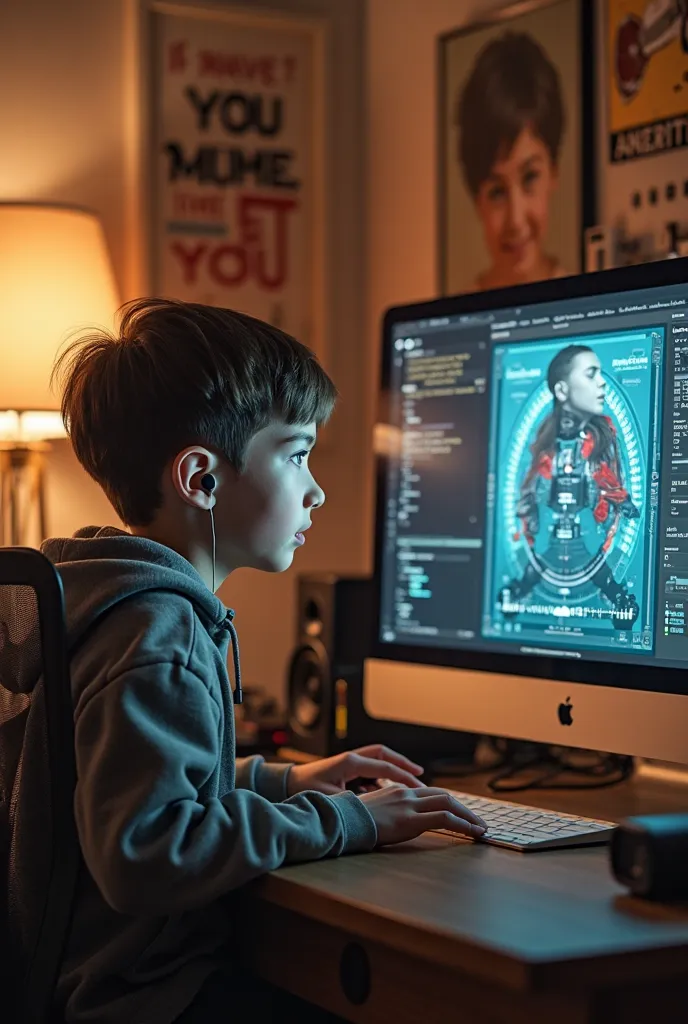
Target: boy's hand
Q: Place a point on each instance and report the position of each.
(400, 813)
(330, 775)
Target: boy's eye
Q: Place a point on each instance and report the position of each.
(530, 177)
(299, 457)
(495, 192)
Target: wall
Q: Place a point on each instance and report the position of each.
(66, 131)
(402, 167)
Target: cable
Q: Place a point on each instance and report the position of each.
(546, 764)
(212, 527)
(553, 764)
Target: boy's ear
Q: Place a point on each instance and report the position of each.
(187, 471)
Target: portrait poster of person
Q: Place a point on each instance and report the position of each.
(573, 437)
(510, 207)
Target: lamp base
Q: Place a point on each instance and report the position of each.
(22, 493)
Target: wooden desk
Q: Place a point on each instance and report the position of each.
(442, 930)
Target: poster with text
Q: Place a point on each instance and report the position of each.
(648, 94)
(643, 96)
(237, 172)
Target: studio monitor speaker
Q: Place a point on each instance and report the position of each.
(333, 636)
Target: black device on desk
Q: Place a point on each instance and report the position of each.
(649, 854)
(532, 514)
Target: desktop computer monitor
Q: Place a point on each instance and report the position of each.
(532, 514)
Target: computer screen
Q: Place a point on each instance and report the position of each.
(533, 480)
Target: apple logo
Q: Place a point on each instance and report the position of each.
(564, 712)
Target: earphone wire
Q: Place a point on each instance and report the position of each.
(212, 527)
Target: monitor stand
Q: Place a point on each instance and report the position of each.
(661, 771)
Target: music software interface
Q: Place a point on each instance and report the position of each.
(537, 488)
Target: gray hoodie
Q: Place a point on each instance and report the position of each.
(169, 821)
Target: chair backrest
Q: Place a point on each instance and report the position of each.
(39, 849)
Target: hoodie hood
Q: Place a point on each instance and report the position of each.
(101, 566)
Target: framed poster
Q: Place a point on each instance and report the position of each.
(236, 122)
(643, 93)
(516, 169)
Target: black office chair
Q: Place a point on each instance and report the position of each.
(39, 849)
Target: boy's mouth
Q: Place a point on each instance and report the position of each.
(518, 247)
(299, 536)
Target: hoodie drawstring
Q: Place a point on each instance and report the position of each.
(229, 626)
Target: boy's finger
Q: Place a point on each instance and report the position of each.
(442, 801)
(369, 768)
(383, 753)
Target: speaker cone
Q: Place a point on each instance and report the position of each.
(308, 676)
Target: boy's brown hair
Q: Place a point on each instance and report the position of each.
(177, 374)
(513, 85)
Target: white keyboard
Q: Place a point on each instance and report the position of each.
(523, 828)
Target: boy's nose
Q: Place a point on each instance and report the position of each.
(315, 497)
(516, 209)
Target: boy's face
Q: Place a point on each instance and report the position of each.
(584, 388)
(262, 515)
(513, 205)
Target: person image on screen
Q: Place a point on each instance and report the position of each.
(575, 465)
(511, 121)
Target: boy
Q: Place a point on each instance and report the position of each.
(511, 120)
(197, 423)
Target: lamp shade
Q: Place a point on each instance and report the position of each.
(55, 276)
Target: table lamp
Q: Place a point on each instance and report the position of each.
(55, 276)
